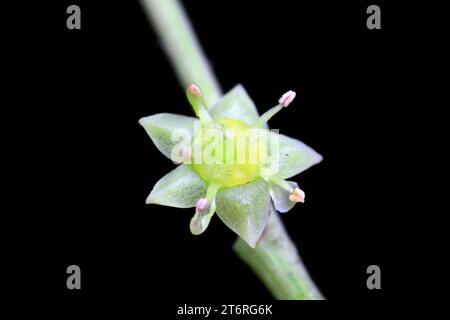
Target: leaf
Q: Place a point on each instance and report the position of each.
(180, 188)
(236, 104)
(280, 197)
(161, 126)
(294, 157)
(245, 209)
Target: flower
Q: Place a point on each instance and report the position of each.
(216, 175)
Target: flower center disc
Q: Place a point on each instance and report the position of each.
(228, 152)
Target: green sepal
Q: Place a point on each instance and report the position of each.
(169, 130)
(245, 209)
(180, 188)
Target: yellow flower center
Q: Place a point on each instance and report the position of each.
(228, 152)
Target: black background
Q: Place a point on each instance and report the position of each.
(78, 167)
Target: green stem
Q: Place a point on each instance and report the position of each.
(275, 259)
(182, 46)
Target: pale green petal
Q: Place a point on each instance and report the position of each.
(294, 157)
(236, 104)
(200, 221)
(280, 197)
(180, 188)
(161, 126)
(245, 209)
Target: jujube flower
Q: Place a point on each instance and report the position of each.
(227, 165)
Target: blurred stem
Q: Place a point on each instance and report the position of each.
(275, 259)
(182, 46)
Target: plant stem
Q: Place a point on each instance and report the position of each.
(277, 263)
(182, 46)
(275, 259)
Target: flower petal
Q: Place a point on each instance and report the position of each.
(245, 209)
(161, 126)
(280, 197)
(294, 157)
(180, 188)
(236, 104)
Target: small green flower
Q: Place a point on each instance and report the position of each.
(230, 162)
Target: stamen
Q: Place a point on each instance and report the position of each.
(210, 197)
(297, 196)
(186, 154)
(283, 102)
(282, 183)
(202, 204)
(287, 98)
(194, 90)
(195, 97)
(270, 113)
(204, 210)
